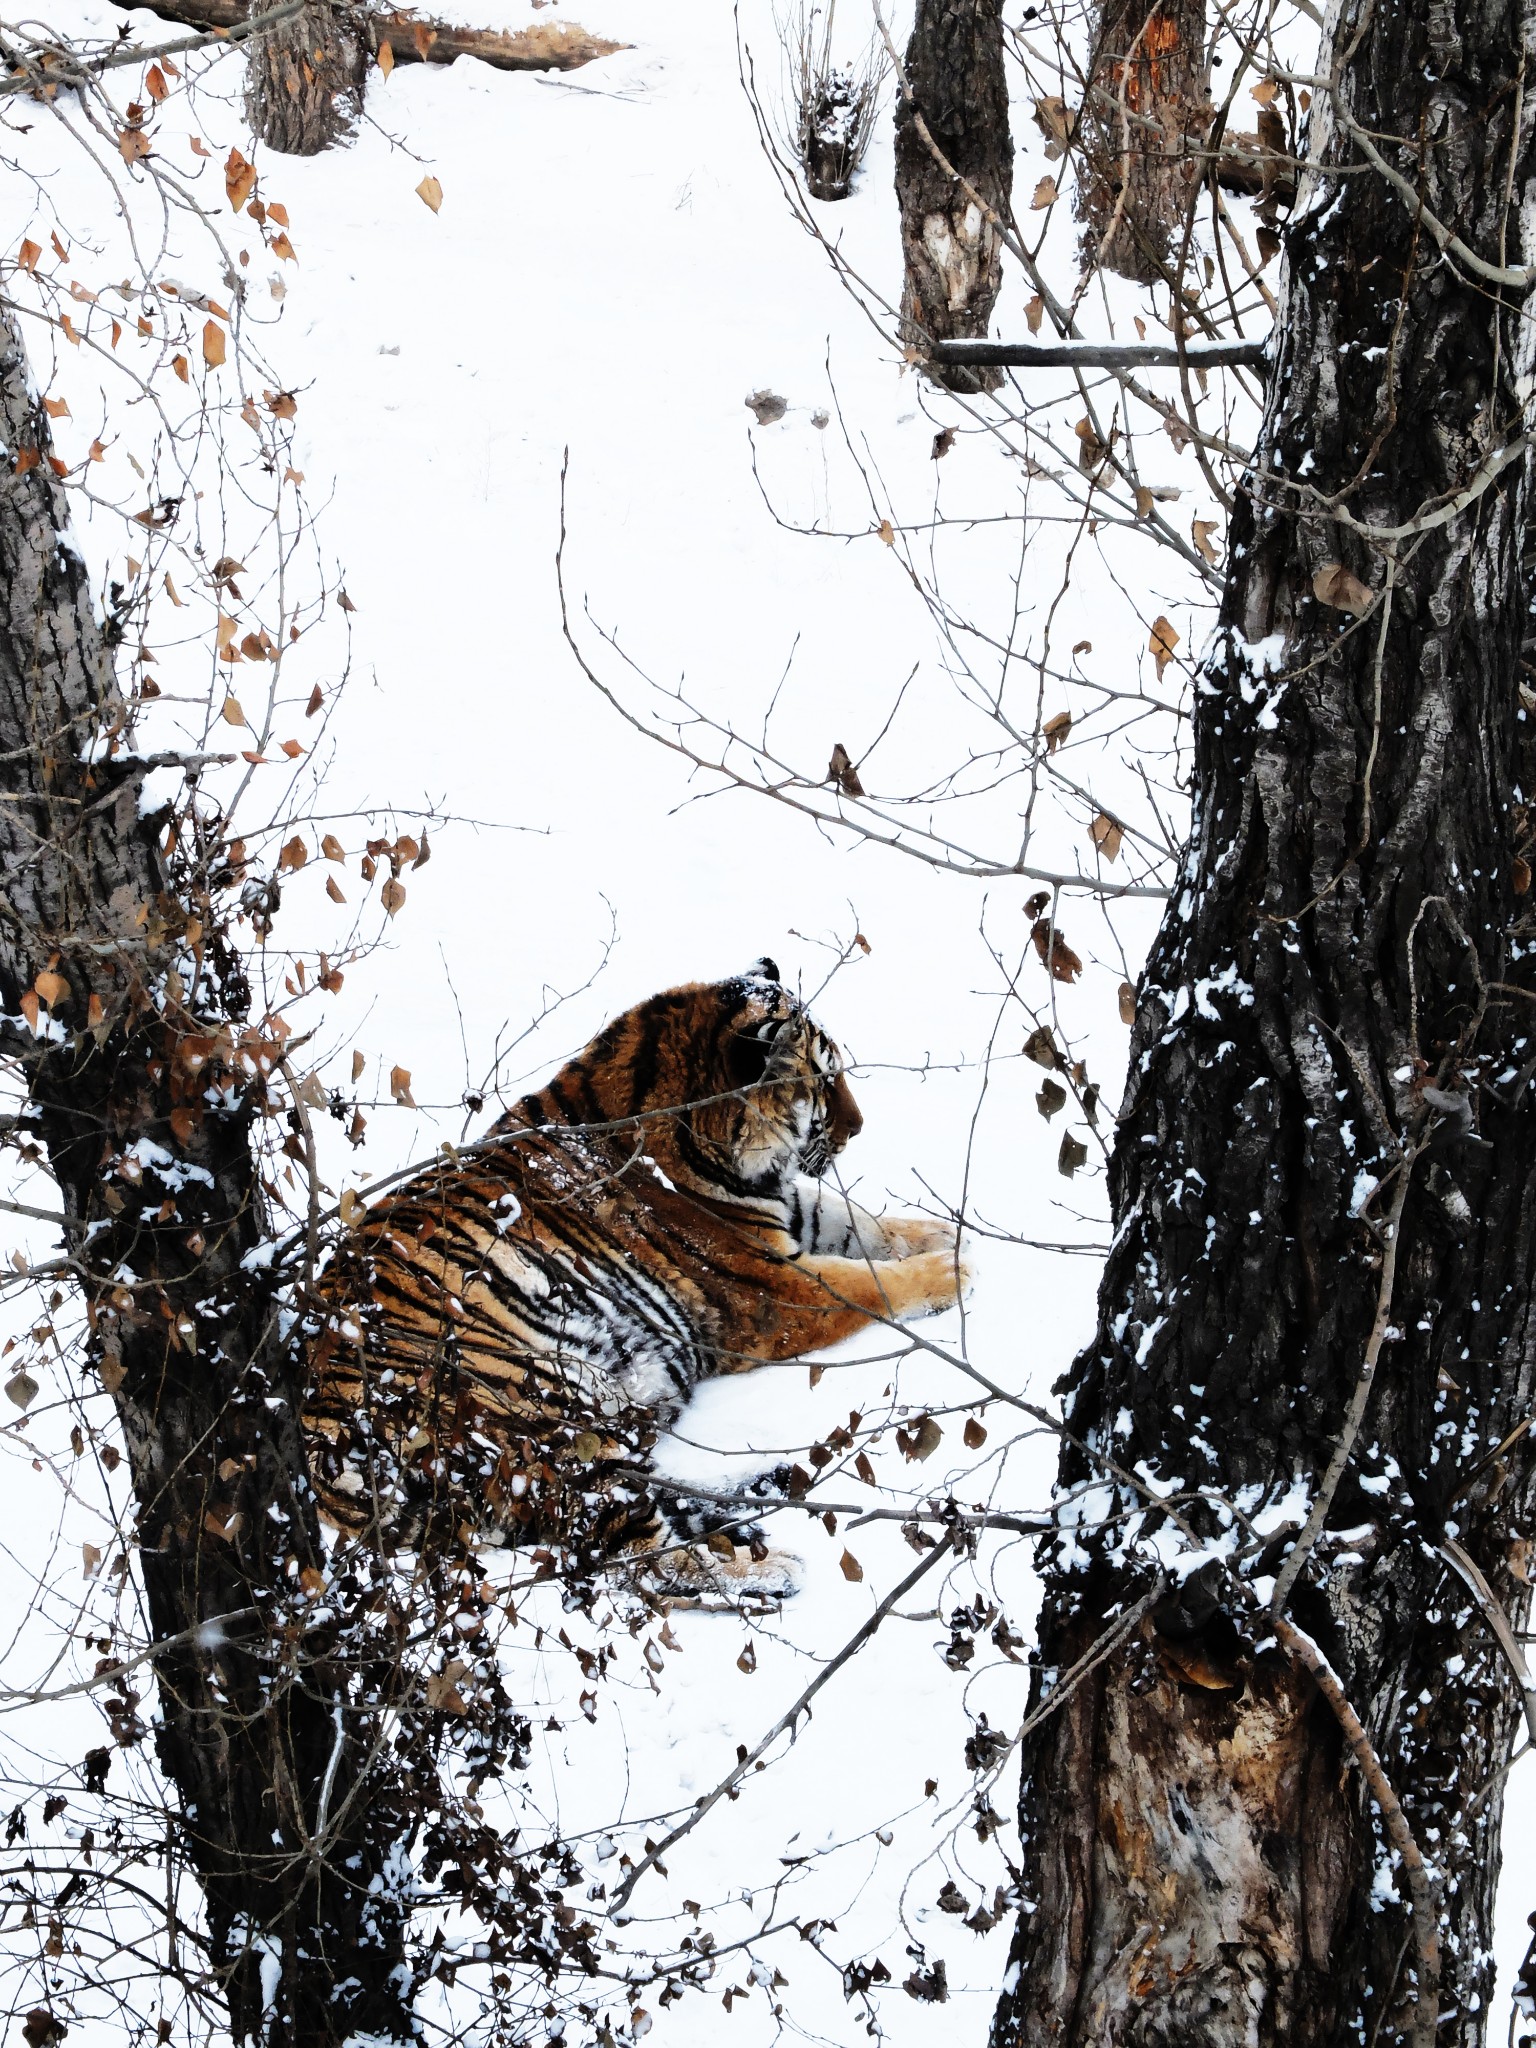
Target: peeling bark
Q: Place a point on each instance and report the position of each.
(1141, 134)
(263, 1722)
(951, 250)
(1203, 1861)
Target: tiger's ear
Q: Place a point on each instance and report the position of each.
(764, 969)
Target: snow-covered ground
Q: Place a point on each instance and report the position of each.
(612, 270)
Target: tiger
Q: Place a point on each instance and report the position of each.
(503, 1337)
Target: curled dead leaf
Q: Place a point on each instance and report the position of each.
(1059, 958)
(1163, 641)
(239, 179)
(1040, 1047)
(430, 192)
(1051, 1098)
(840, 769)
(1340, 588)
(920, 1439)
(1106, 835)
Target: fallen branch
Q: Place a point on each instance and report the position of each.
(417, 39)
(1102, 355)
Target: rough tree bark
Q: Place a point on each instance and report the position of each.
(127, 1017)
(1141, 133)
(956, 89)
(304, 79)
(1324, 1163)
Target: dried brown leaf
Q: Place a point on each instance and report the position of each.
(1340, 588)
(1106, 835)
(840, 769)
(1163, 641)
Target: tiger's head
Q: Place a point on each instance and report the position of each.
(757, 1086)
(787, 1106)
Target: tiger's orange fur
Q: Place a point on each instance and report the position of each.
(506, 1332)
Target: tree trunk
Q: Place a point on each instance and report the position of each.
(1324, 1167)
(127, 1016)
(1141, 133)
(305, 78)
(951, 250)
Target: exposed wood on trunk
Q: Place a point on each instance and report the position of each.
(262, 1722)
(1141, 133)
(955, 87)
(1346, 975)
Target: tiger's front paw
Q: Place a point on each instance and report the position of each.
(927, 1283)
(906, 1236)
